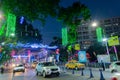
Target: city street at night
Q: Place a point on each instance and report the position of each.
(59, 40)
(66, 74)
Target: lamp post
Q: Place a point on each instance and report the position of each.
(105, 40)
(95, 24)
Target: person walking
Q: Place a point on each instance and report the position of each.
(103, 66)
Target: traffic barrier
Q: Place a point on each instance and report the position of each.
(64, 69)
(101, 75)
(91, 75)
(82, 74)
(73, 72)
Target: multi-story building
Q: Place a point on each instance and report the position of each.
(87, 34)
(111, 26)
(25, 32)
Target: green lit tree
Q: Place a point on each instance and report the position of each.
(41, 9)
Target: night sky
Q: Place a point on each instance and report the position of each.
(100, 9)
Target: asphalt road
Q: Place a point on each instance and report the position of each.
(65, 75)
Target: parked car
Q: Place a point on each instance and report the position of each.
(74, 65)
(19, 68)
(115, 66)
(47, 68)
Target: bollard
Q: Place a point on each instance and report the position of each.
(82, 74)
(73, 72)
(101, 75)
(91, 75)
(64, 69)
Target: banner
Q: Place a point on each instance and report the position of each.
(77, 46)
(113, 41)
(82, 56)
(104, 58)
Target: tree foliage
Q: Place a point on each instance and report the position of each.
(41, 9)
(96, 49)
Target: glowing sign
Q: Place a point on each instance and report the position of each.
(11, 23)
(18, 56)
(77, 46)
(64, 36)
(2, 29)
(21, 20)
(113, 41)
(82, 56)
(99, 34)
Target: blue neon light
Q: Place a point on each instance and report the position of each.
(21, 20)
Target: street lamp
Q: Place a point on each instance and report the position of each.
(95, 24)
(12, 34)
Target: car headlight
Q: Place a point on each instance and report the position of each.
(13, 65)
(58, 68)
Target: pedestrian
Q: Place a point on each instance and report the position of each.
(103, 66)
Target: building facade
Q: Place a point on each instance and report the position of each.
(87, 33)
(111, 26)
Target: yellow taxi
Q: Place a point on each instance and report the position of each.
(73, 64)
(34, 64)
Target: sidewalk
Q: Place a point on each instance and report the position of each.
(84, 77)
(93, 76)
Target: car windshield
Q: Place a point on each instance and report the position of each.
(118, 63)
(19, 65)
(48, 64)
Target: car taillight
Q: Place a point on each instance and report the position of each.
(114, 78)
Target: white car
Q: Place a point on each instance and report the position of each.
(116, 76)
(115, 66)
(19, 68)
(47, 68)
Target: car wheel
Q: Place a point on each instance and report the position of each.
(57, 74)
(23, 71)
(13, 71)
(113, 71)
(44, 74)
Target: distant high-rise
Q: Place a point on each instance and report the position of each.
(87, 34)
(111, 26)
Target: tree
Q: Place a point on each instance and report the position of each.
(41, 9)
(96, 49)
(56, 41)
